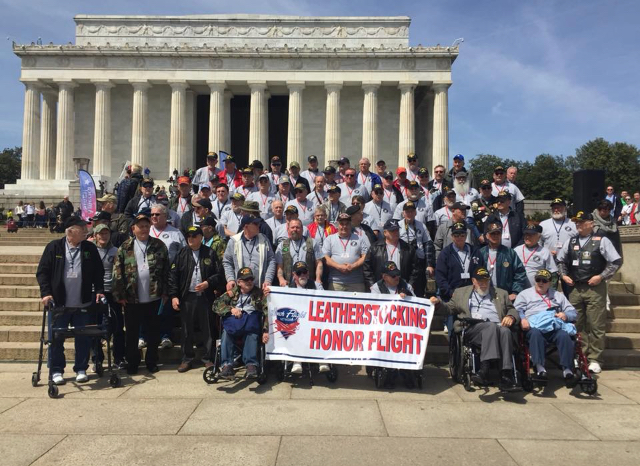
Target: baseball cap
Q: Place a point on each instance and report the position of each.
(391, 224)
(212, 155)
(409, 205)
(582, 217)
(334, 189)
(245, 273)
(202, 202)
(194, 231)
(247, 171)
(291, 210)
(229, 159)
(556, 201)
(300, 186)
(344, 216)
(413, 184)
(504, 195)
(249, 219)
(450, 193)
(294, 164)
(543, 273)
(377, 187)
(481, 274)
(423, 171)
(300, 266)
(74, 221)
(458, 157)
(411, 157)
(102, 215)
(352, 209)
(143, 214)
(493, 227)
(343, 161)
(390, 268)
(461, 174)
(264, 176)
(184, 180)
(284, 179)
(147, 182)
(257, 164)
(97, 229)
(209, 221)
(532, 228)
(237, 197)
(329, 169)
(388, 174)
(459, 205)
(485, 183)
(312, 158)
(108, 198)
(499, 168)
(205, 186)
(401, 170)
(275, 159)
(380, 162)
(458, 227)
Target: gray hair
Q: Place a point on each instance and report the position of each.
(162, 208)
(322, 209)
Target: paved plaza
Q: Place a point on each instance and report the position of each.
(171, 419)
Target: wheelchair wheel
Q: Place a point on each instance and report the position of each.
(466, 381)
(114, 380)
(589, 387)
(332, 375)
(35, 379)
(52, 391)
(527, 383)
(454, 358)
(262, 378)
(210, 375)
(99, 370)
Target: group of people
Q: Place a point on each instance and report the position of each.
(229, 235)
(30, 215)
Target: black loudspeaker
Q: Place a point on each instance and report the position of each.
(588, 190)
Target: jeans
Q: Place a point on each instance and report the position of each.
(136, 315)
(538, 342)
(56, 360)
(249, 351)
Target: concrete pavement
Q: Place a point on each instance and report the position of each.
(172, 419)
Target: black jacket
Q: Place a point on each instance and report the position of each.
(132, 206)
(449, 270)
(371, 236)
(65, 209)
(182, 269)
(127, 190)
(516, 226)
(301, 179)
(377, 256)
(50, 273)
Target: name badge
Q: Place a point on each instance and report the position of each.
(143, 266)
(575, 263)
(72, 274)
(505, 236)
(476, 315)
(344, 254)
(465, 275)
(558, 246)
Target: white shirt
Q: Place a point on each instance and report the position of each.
(556, 232)
(535, 259)
(264, 203)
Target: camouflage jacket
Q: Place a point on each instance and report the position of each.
(224, 304)
(217, 244)
(125, 271)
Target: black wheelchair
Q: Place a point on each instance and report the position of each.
(211, 374)
(100, 330)
(581, 374)
(384, 377)
(283, 371)
(464, 357)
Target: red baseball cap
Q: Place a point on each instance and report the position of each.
(184, 180)
(401, 170)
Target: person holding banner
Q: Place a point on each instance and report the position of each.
(298, 249)
(493, 334)
(392, 282)
(391, 248)
(344, 254)
(240, 309)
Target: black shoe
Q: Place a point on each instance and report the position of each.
(570, 380)
(252, 371)
(541, 377)
(481, 377)
(132, 370)
(506, 382)
(227, 372)
(153, 368)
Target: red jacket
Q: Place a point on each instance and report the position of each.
(237, 179)
(329, 229)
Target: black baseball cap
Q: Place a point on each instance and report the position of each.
(257, 164)
(409, 205)
(143, 214)
(329, 169)
(244, 273)
(334, 189)
(558, 201)
(459, 205)
(291, 210)
(209, 221)
(459, 227)
(343, 161)
(147, 183)
(390, 268)
(229, 159)
(203, 202)
(312, 158)
(391, 224)
(352, 209)
(582, 217)
(102, 215)
(194, 231)
(380, 162)
(388, 174)
(74, 221)
(248, 219)
(532, 228)
(300, 266)
(504, 195)
(481, 274)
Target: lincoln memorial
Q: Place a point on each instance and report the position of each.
(162, 91)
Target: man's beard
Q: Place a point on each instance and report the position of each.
(558, 215)
(303, 281)
(461, 188)
(482, 293)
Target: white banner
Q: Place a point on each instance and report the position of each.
(348, 328)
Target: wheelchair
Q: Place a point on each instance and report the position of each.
(100, 330)
(211, 374)
(581, 374)
(384, 377)
(308, 369)
(464, 357)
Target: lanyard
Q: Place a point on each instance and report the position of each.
(196, 258)
(304, 209)
(242, 303)
(558, 230)
(546, 300)
(349, 190)
(492, 263)
(585, 243)
(296, 251)
(526, 260)
(319, 198)
(72, 256)
(505, 225)
(344, 244)
(253, 243)
(446, 209)
(408, 228)
(144, 251)
(463, 262)
(220, 208)
(264, 200)
(478, 299)
(154, 230)
(102, 258)
(390, 255)
(284, 199)
(144, 200)
(364, 178)
(378, 210)
(275, 177)
(334, 214)
(231, 178)
(390, 192)
(183, 207)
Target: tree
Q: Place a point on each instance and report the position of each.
(547, 178)
(10, 163)
(620, 161)
(482, 166)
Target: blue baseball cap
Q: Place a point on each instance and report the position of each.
(459, 157)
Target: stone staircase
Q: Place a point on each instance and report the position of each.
(21, 310)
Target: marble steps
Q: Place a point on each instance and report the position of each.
(18, 279)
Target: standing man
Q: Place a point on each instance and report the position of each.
(297, 248)
(282, 232)
(119, 224)
(140, 201)
(304, 205)
(69, 273)
(412, 162)
(283, 190)
(616, 202)
(458, 166)
(365, 177)
(462, 186)
(423, 208)
(195, 275)
(205, 174)
(377, 208)
(535, 257)
(264, 197)
(351, 188)
(329, 173)
(444, 213)
(500, 183)
(423, 180)
(211, 238)
(512, 174)
(512, 222)
(247, 187)
(221, 203)
(344, 254)
(401, 182)
(140, 280)
(453, 267)
(181, 204)
(381, 168)
(333, 204)
(230, 175)
(275, 173)
(201, 210)
(319, 194)
(391, 193)
(311, 173)
(229, 224)
(585, 263)
(391, 248)
(169, 235)
(443, 235)
(482, 207)
(65, 209)
(278, 217)
(295, 178)
(343, 165)
(558, 229)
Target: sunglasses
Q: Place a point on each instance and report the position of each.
(541, 280)
(276, 164)
(349, 176)
(438, 171)
(485, 187)
(423, 176)
(156, 215)
(302, 272)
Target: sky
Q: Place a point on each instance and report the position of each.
(532, 76)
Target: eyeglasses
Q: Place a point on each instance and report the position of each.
(301, 272)
(438, 171)
(156, 215)
(349, 176)
(541, 280)
(459, 235)
(276, 164)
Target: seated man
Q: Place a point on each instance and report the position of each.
(239, 310)
(392, 282)
(531, 304)
(492, 306)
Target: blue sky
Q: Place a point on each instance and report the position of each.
(532, 76)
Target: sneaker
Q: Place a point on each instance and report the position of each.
(81, 376)
(165, 343)
(58, 379)
(296, 368)
(324, 368)
(227, 372)
(252, 371)
(141, 343)
(595, 368)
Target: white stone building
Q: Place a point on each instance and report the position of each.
(162, 91)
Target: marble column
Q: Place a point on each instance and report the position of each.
(257, 123)
(332, 126)
(178, 133)
(265, 128)
(440, 125)
(228, 95)
(65, 137)
(216, 116)
(370, 122)
(48, 135)
(407, 127)
(140, 123)
(192, 117)
(31, 131)
(295, 128)
(102, 130)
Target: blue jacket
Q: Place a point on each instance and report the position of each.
(511, 274)
(448, 270)
(547, 322)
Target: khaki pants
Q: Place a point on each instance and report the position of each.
(333, 286)
(590, 302)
